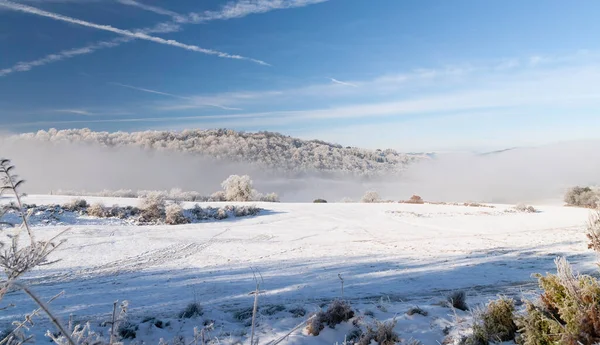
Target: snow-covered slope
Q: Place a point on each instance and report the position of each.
(398, 255)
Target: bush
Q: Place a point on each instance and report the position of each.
(174, 215)
(525, 208)
(415, 199)
(218, 197)
(593, 231)
(238, 188)
(338, 311)
(191, 310)
(127, 330)
(371, 197)
(271, 197)
(416, 310)
(75, 205)
(582, 196)
(568, 312)
(458, 300)
(495, 323)
(381, 332)
(97, 210)
(153, 208)
(320, 201)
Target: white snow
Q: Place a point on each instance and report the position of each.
(392, 256)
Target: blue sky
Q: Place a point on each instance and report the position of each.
(412, 75)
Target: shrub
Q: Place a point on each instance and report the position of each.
(381, 332)
(569, 310)
(593, 231)
(218, 197)
(458, 300)
(191, 310)
(153, 208)
(238, 188)
(415, 199)
(416, 310)
(525, 208)
(582, 196)
(174, 215)
(495, 322)
(97, 210)
(338, 311)
(320, 201)
(271, 197)
(127, 330)
(75, 205)
(371, 197)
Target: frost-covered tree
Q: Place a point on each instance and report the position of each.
(371, 197)
(238, 188)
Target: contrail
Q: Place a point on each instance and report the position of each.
(342, 82)
(176, 16)
(127, 33)
(239, 9)
(171, 95)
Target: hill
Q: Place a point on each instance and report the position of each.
(266, 149)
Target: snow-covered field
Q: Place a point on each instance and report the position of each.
(391, 257)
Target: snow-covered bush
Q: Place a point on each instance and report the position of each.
(153, 208)
(191, 310)
(566, 313)
(75, 205)
(320, 201)
(371, 197)
(97, 210)
(271, 197)
(338, 311)
(525, 208)
(381, 332)
(238, 188)
(174, 215)
(582, 196)
(218, 196)
(495, 322)
(458, 300)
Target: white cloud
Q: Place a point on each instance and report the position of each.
(127, 33)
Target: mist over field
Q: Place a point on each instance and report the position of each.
(511, 176)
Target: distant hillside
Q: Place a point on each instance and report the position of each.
(266, 149)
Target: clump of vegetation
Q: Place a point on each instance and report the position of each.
(320, 201)
(415, 199)
(75, 205)
(153, 208)
(127, 330)
(494, 323)
(174, 215)
(338, 311)
(582, 197)
(568, 312)
(381, 332)
(97, 210)
(458, 300)
(191, 310)
(525, 208)
(371, 197)
(416, 310)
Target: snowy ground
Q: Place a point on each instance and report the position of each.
(391, 256)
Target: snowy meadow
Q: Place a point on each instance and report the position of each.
(240, 260)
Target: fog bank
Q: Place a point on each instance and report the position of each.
(519, 175)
